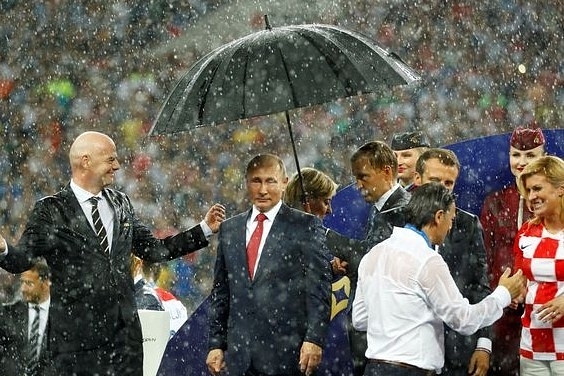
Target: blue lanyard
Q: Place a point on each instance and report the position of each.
(423, 235)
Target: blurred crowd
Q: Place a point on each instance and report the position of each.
(70, 66)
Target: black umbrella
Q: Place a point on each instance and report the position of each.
(276, 70)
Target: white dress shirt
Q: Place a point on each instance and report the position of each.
(43, 315)
(405, 292)
(104, 209)
(267, 224)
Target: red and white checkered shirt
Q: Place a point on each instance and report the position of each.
(541, 257)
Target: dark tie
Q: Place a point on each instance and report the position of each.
(253, 246)
(33, 345)
(98, 226)
(372, 217)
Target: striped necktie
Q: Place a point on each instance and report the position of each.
(33, 345)
(98, 226)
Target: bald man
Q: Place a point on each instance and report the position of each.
(87, 232)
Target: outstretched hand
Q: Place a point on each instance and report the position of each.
(515, 284)
(215, 216)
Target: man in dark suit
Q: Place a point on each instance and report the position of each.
(20, 354)
(270, 303)
(465, 254)
(86, 232)
(375, 168)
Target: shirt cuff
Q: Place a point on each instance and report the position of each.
(206, 229)
(502, 295)
(484, 344)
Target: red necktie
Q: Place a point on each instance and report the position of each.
(253, 246)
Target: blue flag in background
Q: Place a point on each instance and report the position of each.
(186, 352)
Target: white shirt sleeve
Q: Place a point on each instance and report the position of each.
(206, 229)
(447, 302)
(359, 312)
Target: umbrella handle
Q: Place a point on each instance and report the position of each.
(304, 193)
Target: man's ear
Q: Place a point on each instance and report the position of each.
(439, 216)
(417, 179)
(85, 161)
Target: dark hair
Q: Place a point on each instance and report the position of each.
(425, 201)
(42, 269)
(445, 156)
(378, 154)
(265, 160)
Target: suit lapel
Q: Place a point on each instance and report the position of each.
(116, 212)
(398, 198)
(78, 221)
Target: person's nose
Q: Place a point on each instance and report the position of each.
(262, 188)
(116, 165)
(522, 161)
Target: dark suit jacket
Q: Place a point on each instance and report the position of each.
(352, 250)
(465, 254)
(92, 293)
(13, 340)
(266, 320)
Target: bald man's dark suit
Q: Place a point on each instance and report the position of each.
(264, 322)
(94, 321)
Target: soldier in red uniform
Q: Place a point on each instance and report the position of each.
(502, 214)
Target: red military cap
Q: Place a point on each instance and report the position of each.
(527, 138)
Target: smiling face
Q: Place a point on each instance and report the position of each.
(93, 158)
(518, 159)
(544, 198)
(103, 164)
(406, 164)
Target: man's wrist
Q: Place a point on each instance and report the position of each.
(484, 344)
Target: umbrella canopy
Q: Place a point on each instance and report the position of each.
(276, 70)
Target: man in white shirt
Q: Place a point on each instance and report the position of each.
(405, 292)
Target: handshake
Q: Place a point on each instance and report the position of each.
(516, 284)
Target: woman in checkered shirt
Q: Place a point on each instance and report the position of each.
(539, 252)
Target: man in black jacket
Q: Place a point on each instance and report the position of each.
(375, 168)
(87, 232)
(20, 354)
(465, 254)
